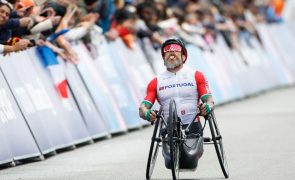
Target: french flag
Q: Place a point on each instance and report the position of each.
(56, 71)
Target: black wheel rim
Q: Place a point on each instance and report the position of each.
(173, 143)
(217, 140)
(154, 148)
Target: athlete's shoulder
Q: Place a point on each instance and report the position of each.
(153, 83)
(199, 74)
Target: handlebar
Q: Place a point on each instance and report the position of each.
(198, 114)
(158, 115)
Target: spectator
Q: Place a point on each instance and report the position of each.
(6, 24)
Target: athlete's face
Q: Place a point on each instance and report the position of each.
(173, 59)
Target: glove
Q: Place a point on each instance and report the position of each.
(206, 108)
(148, 115)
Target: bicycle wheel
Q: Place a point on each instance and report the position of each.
(153, 153)
(217, 141)
(173, 136)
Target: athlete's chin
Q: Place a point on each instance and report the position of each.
(172, 66)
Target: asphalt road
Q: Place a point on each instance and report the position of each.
(258, 135)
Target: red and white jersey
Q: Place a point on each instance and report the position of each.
(186, 87)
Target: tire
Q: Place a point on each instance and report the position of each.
(154, 148)
(173, 135)
(217, 141)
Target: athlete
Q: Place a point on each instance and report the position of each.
(186, 86)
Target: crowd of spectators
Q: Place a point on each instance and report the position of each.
(56, 23)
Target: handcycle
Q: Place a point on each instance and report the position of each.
(172, 136)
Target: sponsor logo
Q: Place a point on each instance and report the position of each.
(182, 112)
(176, 85)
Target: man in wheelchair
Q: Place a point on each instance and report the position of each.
(189, 88)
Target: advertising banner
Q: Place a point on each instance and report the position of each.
(128, 106)
(93, 120)
(69, 117)
(100, 91)
(231, 68)
(139, 72)
(16, 139)
(284, 43)
(196, 60)
(280, 68)
(134, 69)
(5, 152)
(24, 94)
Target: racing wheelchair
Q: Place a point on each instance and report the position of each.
(180, 149)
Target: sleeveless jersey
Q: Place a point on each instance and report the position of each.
(186, 87)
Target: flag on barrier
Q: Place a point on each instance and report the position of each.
(56, 71)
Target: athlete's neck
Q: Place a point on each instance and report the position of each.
(176, 69)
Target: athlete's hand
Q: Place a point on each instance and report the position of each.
(206, 108)
(151, 115)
